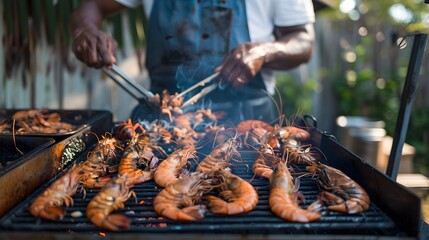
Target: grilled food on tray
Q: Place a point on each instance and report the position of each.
(35, 121)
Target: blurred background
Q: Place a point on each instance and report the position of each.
(352, 85)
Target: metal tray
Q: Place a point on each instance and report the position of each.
(16, 150)
(79, 118)
(25, 175)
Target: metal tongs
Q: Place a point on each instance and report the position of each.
(131, 86)
(203, 91)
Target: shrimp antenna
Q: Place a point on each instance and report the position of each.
(281, 115)
(98, 139)
(14, 137)
(277, 105)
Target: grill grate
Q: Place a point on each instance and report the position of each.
(259, 221)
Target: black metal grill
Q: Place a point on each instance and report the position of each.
(261, 220)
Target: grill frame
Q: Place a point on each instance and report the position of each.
(383, 197)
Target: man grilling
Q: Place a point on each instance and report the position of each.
(188, 40)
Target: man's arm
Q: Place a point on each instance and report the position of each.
(90, 44)
(292, 47)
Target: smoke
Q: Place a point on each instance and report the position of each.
(190, 73)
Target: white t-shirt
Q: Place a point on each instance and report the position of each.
(262, 16)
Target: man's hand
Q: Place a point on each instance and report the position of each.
(94, 47)
(242, 64)
(293, 46)
(91, 45)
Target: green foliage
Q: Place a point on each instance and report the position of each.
(418, 135)
(364, 89)
(296, 97)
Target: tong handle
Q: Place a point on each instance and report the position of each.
(198, 84)
(201, 94)
(132, 82)
(121, 83)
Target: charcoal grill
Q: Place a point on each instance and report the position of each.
(394, 211)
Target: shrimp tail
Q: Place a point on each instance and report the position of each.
(282, 205)
(348, 206)
(197, 211)
(52, 213)
(191, 213)
(217, 205)
(113, 222)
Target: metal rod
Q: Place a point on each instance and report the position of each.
(201, 94)
(199, 84)
(408, 94)
(121, 84)
(147, 94)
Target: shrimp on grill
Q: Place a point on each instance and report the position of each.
(288, 132)
(216, 135)
(184, 137)
(160, 133)
(110, 198)
(283, 200)
(96, 166)
(168, 170)
(49, 204)
(254, 132)
(237, 195)
(266, 160)
(176, 201)
(300, 154)
(139, 153)
(351, 197)
(220, 156)
(93, 173)
(171, 105)
(202, 117)
(126, 130)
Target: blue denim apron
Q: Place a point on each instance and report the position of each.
(188, 39)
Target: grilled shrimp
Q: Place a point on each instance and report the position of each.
(266, 160)
(126, 130)
(93, 174)
(284, 133)
(40, 120)
(184, 137)
(96, 166)
(170, 104)
(191, 120)
(160, 133)
(248, 125)
(352, 198)
(298, 153)
(176, 201)
(49, 204)
(169, 169)
(284, 195)
(254, 132)
(110, 198)
(136, 155)
(220, 156)
(240, 196)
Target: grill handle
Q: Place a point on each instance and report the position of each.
(407, 97)
(310, 120)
